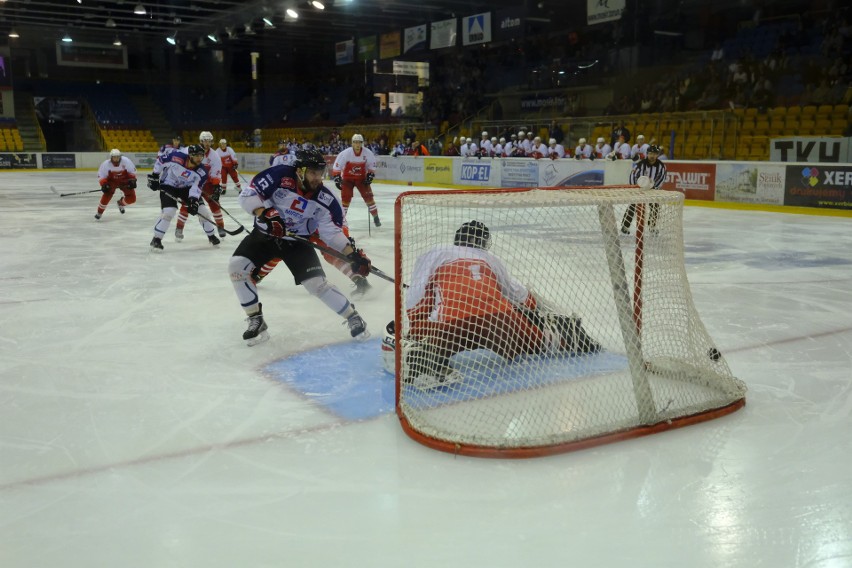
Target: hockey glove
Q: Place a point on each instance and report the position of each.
(105, 188)
(274, 223)
(337, 181)
(359, 262)
(217, 192)
(192, 205)
(131, 184)
(370, 177)
(154, 181)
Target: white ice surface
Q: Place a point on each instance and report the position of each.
(137, 430)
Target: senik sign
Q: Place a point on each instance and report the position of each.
(475, 172)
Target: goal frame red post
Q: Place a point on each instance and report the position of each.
(631, 263)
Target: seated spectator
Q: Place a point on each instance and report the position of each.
(451, 149)
(822, 94)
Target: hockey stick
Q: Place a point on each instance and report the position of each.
(231, 216)
(53, 189)
(337, 254)
(205, 217)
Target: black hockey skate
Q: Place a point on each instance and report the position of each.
(575, 340)
(361, 287)
(214, 240)
(256, 332)
(376, 221)
(357, 327)
(156, 244)
(121, 205)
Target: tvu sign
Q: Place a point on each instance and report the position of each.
(810, 150)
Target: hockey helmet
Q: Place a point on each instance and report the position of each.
(601, 140)
(502, 140)
(115, 153)
(469, 140)
(357, 138)
(177, 137)
(493, 139)
(473, 234)
(552, 141)
(311, 159)
(484, 134)
(581, 141)
(205, 136)
(223, 141)
(195, 150)
(640, 137)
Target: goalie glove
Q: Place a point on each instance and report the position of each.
(370, 177)
(338, 181)
(359, 262)
(154, 181)
(274, 223)
(192, 205)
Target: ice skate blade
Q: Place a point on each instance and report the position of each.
(260, 338)
(363, 336)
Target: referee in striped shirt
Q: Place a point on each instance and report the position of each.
(655, 169)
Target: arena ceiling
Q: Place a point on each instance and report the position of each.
(260, 23)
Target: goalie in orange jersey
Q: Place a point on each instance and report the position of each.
(463, 297)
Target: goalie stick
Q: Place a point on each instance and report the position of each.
(53, 189)
(206, 218)
(294, 237)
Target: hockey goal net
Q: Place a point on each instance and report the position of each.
(649, 364)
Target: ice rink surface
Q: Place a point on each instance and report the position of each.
(137, 430)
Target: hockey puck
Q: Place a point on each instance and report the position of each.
(714, 354)
(409, 183)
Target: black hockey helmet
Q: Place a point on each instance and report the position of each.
(655, 149)
(473, 234)
(195, 150)
(177, 137)
(311, 159)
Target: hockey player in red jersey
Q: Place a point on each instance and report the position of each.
(118, 172)
(356, 167)
(463, 297)
(229, 165)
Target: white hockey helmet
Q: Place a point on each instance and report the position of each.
(484, 134)
(640, 137)
(493, 139)
(601, 140)
(223, 141)
(389, 348)
(581, 141)
(537, 139)
(205, 137)
(357, 138)
(521, 134)
(469, 140)
(115, 153)
(502, 140)
(552, 141)
(514, 136)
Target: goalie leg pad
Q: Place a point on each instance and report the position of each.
(575, 340)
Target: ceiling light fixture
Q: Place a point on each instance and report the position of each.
(140, 10)
(292, 13)
(171, 39)
(110, 23)
(13, 33)
(116, 42)
(213, 38)
(67, 38)
(268, 22)
(317, 4)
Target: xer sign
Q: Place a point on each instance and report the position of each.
(475, 172)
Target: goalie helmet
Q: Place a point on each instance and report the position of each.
(473, 234)
(357, 138)
(205, 137)
(115, 153)
(311, 159)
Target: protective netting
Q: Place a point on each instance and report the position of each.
(612, 343)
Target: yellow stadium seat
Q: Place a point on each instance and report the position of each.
(809, 111)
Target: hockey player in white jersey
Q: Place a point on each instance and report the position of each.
(292, 200)
(583, 151)
(229, 165)
(602, 149)
(639, 151)
(181, 179)
(116, 172)
(211, 189)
